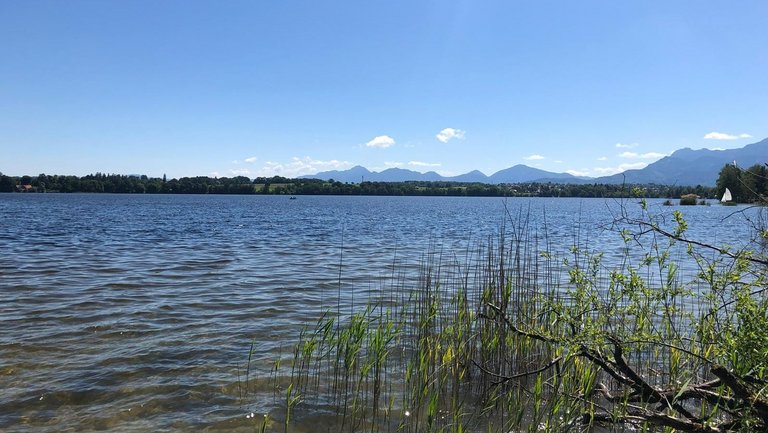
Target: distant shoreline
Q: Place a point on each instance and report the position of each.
(240, 185)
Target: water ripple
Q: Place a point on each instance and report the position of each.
(136, 313)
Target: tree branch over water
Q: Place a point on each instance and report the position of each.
(649, 361)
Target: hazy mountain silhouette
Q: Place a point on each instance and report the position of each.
(683, 167)
(692, 167)
(523, 173)
(516, 174)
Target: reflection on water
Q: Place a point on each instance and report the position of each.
(135, 313)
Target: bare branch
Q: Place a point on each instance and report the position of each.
(657, 229)
(515, 329)
(504, 378)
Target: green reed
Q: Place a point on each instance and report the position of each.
(519, 337)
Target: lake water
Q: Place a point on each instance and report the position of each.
(135, 313)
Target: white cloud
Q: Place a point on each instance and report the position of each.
(603, 158)
(398, 164)
(241, 172)
(424, 164)
(632, 166)
(723, 136)
(648, 155)
(579, 173)
(299, 167)
(602, 171)
(447, 173)
(558, 161)
(381, 141)
(626, 146)
(606, 171)
(534, 157)
(249, 160)
(448, 134)
(653, 155)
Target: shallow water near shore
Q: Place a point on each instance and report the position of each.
(136, 313)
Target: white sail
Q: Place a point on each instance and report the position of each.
(726, 196)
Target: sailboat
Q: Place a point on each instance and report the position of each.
(727, 198)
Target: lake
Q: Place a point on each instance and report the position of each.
(135, 313)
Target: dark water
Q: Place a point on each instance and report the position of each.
(136, 313)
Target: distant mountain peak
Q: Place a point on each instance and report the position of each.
(683, 167)
(692, 167)
(517, 173)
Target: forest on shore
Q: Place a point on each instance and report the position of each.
(746, 185)
(141, 184)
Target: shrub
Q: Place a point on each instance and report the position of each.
(688, 200)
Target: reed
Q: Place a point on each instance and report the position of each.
(518, 336)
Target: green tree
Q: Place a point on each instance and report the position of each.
(40, 182)
(756, 182)
(7, 184)
(730, 177)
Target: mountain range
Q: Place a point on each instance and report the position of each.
(682, 167)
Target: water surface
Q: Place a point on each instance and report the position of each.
(135, 313)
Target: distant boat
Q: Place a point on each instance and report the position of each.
(292, 198)
(726, 196)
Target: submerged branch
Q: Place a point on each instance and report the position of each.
(515, 329)
(504, 378)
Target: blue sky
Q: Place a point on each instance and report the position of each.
(261, 88)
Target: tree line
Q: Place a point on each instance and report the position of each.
(746, 185)
(134, 184)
